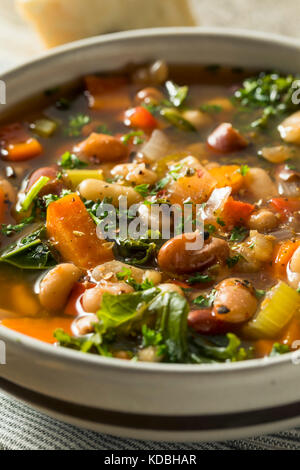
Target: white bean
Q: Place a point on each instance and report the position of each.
(259, 184)
(289, 129)
(136, 173)
(57, 285)
(94, 190)
(85, 325)
(169, 287)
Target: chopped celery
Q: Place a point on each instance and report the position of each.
(44, 127)
(278, 308)
(77, 176)
(33, 192)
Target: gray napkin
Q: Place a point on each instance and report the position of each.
(23, 428)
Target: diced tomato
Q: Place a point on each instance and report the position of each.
(286, 206)
(236, 212)
(140, 118)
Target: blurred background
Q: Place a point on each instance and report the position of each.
(19, 40)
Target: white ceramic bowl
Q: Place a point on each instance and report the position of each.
(152, 401)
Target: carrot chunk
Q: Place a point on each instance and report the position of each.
(39, 328)
(236, 212)
(107, 93)
(283, 254)
(73, 233)
(228, 175)
(292, 333)
(197, 187)
(24, 151)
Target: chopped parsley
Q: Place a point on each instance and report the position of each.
(135, 136)
(199, 278)
(205, 301)
(238, 234)
(76, 123)
(69, 161)
(142, 189)
(233, 260)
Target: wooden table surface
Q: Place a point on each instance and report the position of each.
(18, 42)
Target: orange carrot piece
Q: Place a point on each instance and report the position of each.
(263, 347)
(292, 333)
(39, 328)
(283, 254)
(23, 151)
(228, 175)
(107, 93)
(2, 205)
(73, 233)
(236, 212)
(197, 187)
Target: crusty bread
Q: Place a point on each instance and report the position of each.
(60, 21)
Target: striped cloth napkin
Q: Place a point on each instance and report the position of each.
(23, 428)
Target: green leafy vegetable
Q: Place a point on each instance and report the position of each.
(126, 275)
(136, 252)
(211, 108)
(92, 344)
(76, 123)
(219, 349)
(69, 161)
(136, 137)
(153, 338)
(244, 170)
(29, 252)
(233, 260)
(238, 234)
(270, 91)
(205, 301)
(177, 94)
(199, 278)
(142, 189)
(279, 349)
(9, 229)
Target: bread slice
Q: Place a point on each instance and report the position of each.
(60, 21)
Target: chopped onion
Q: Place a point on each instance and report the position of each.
(282, 234)
(216, 202)
(157, 146)
(288, 189)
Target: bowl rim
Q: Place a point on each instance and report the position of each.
(35, 345)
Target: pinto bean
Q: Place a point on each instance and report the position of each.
(176, 256)
(226, 139)
(235, 301)
(57, 285)
(263, 220)
(92, 298)
(149, 95)
(102, 148)
(205, 322)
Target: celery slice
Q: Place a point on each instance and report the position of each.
(276, 311)
(77, 176)
(33, 192)
(44, 127)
